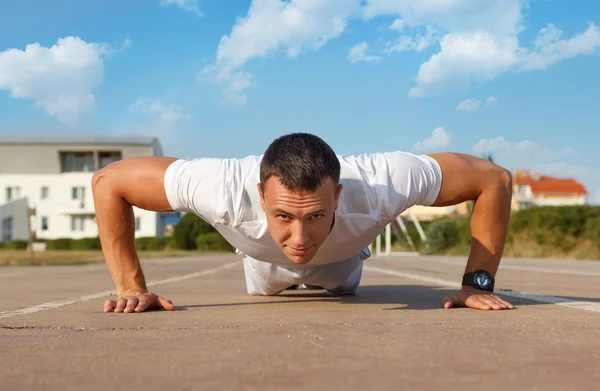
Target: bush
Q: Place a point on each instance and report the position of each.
(564, 220)
(187, 230)
(151, 243)
(17, 244)
(213, 241)
(85, 244)
(592, 230)
(443, 234)
(464, 230)
(59, 244)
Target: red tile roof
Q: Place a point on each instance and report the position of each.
(549, 185)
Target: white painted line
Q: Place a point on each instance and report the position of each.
(549, 270)
(58, 269)
(582, 305)
(431, 280)
(505, 266)
(12, 274)
(57, 304)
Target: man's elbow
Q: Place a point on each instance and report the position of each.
(102, 180)
(504, 178)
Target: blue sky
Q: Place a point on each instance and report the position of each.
(515, 78)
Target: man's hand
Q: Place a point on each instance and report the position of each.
(477, 299)
(138, 301)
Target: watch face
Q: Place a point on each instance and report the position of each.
(483, 280)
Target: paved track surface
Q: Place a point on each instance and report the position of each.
(394, 335)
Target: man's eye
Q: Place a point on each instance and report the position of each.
(282, 217)
(316, 217)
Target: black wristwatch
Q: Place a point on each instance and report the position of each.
(479, 279)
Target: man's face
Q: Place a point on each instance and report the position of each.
(299, 222)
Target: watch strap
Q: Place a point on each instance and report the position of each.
(469, 279)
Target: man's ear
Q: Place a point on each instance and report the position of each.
(262, 195)
(337, 194)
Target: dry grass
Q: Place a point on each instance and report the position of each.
(67, 257)
(524, 245)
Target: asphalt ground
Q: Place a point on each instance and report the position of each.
(395, 335)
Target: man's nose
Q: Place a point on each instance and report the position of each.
(299, 234)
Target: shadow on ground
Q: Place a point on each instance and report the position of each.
(408, 297)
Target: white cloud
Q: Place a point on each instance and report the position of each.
(452, 15)
(440, 140)
(550, 49)
(490, 101)
(479, 40)
(469, 105)
(358, 53)
(59, 79)
(293, 27)
(524, 154)
(418, 41)
(167, 113)
(535, 156)
(465, 58)
(398, 25)
(186, 5)
(475, 40)
(160, 119)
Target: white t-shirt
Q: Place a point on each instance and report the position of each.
(376, 189)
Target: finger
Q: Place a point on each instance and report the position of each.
(451, 301)
(491, 302)
(477, 303)
(109, 305)
(142, 305)
(503, 305)
(166, 304)
(131, 304)
(506, 303)
(121, 305)
(497, 303)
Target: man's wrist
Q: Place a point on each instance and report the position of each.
(123, 291)
(480, 280)
(131, 281)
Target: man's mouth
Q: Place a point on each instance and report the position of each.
(298, 251)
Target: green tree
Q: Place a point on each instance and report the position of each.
(187, 230)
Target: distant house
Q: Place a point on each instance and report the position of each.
(52, 176)
(535, 189)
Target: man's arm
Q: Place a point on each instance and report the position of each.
(466, 178)
(117, 188)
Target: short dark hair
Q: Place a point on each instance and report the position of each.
(301, 161)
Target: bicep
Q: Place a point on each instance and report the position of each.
(208, 187)
(139, 181)
(464, 177)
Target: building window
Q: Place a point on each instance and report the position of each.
(44, 225)
(138, 223)
(77, 162)
(77, 223)
(45, 193)
(12, 193)
(107, 157)
(7, 229)
(78, 192)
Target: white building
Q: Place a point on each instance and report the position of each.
(54, 177)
